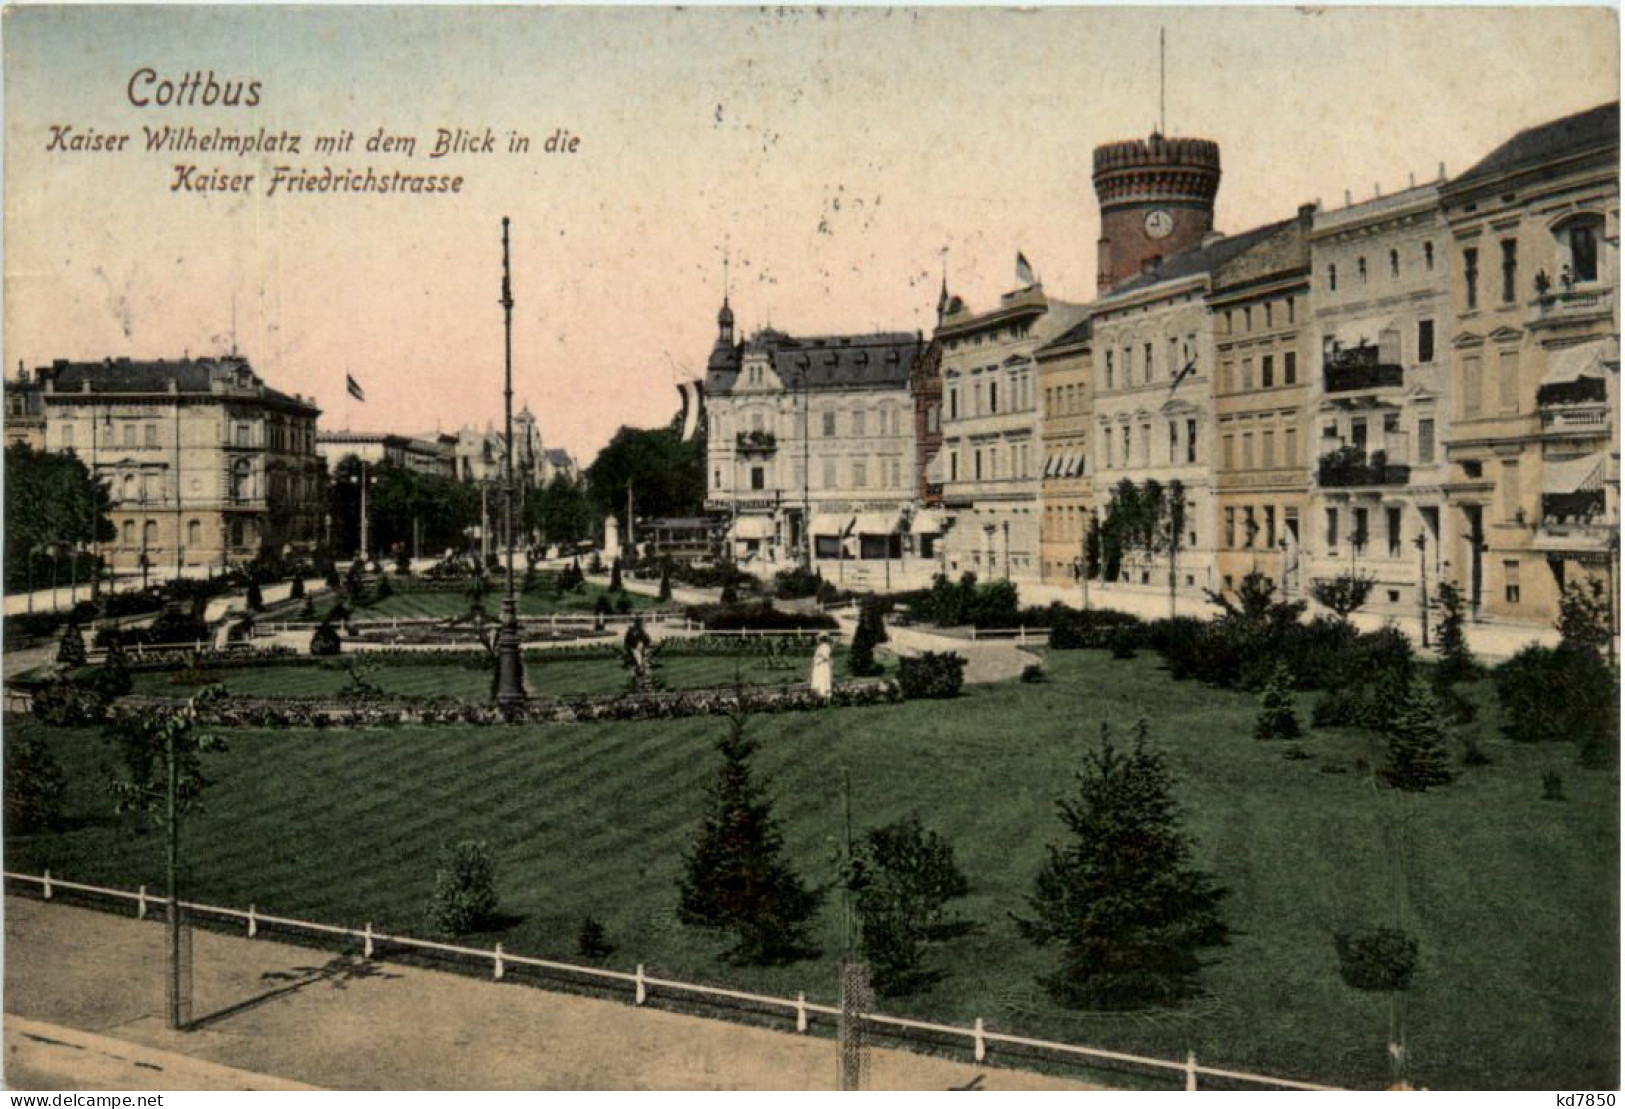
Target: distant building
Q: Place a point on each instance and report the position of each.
(25, 412)
(480, 454)
(206, 464)
(811, 452)
(378, 448)
(1533, 449)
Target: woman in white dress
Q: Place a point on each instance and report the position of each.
(823, 678)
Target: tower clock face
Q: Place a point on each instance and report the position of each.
(1158, 223)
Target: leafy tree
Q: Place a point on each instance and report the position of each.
(667, 475)
(52, 506)
(1583, 615)
(735, 875)
(71, 650)
(1417, 756)
(1119, 895)
(1344, 594)
(902, 880)
(1277, 718)
(1381, 960)
(561, 511)
(465, 888)
(143, 742)
(35, 782)
(1456, 662)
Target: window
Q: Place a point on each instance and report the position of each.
(1266, 370)
(129, 533)
(149, 535)
(1361, 534)
(1173, 442)
(953, 403)
(1424, 340)
(1424, 440)
(67, 437)
(1230, 528)
(1227, 376)
(1128, 444)
(716, 479)
(1289, 447)
(1357, 432)
(829, 425)
(1148, 363)
(1395, 535)
(1291, 522)
(1361, 266)
(1289, 368)
(1469, 265)
(1145, 444)
(1247, 450)
(978, 464)
(758, 478)
(1427, 257)
(953, 465)
(1472, 385)
(1269, 449)
(1249, 527)
(1393, 263)
(1390, 424)
(1228, 452)
(860, 423)
(1108, 369)
(1509, 576)
(1247, 375)
(1582, 242)
(933, 420)
(1247, 318)
(1190, 440)
(829, 473)
(1128, 366)
(1268, 313)
(129, 435)
(194, 533)
(860, 475)
(243, 435)
(1508, 365)
(1331, 278)
(1291, 310)
(1269, 525)
(1511, 492)
(152, 435)
(1509, 270)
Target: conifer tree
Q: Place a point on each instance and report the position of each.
(71, 650)
(1276, 716)
(665, 581)
(1456, 662)
(1119, 894)
(735, 875)
(615, 585)
(1417, 757)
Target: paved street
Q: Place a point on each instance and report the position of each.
(274, 1014)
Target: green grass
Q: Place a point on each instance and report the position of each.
(552, 677)
(1514, 899)
(542, 602)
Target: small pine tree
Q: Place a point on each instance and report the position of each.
(1417, 756)
(665, 582)
(1456, 662)
(325, 639)
(296, 591)
(465, 888)
(385, 590)
(254, 598)
(403, 563)
(615, 585)
(1277, 718)
(71, 650)
(592, 942)
(735, 875)
(1119, 894)
(861, 659)
(730, 592)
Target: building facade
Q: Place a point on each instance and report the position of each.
(811, 454)
(25, 412)
(991, 434)
(378, 448)
(1064, 368)
(1380, 398)
(206, 465)
(1260, 310)
(1533, 450)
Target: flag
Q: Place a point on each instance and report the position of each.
(693, 394)
(1024, 270)
(1189, 367)
(354, 387)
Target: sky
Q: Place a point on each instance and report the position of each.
(831, 163)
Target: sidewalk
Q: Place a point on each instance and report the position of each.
(290, 1014)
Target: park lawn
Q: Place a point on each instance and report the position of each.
(547, 677)
(447, 605)
(1514, 899)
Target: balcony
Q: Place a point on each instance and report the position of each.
(1358, 368)
(1572, 509)
(1584, 390)
(1350, 466)
(1573, 304)
(756, 442)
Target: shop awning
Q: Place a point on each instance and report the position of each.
(753, 527)
(1574, 475)
(1052, 464)
(876, 523)
(831, 524)
(1573, 363)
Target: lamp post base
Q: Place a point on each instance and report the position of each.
(510, 664)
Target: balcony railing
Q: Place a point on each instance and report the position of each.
(1350, 466)
(1345, 375)
(1573, 302)
(1573, 508)
(1583, 390)
(757, 441)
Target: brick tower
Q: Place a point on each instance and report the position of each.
(1156, 199)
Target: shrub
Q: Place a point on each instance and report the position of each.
(1033, 673)
(758, 617)
(1090, 629)
(1549, 694)
(325, 640)
(254, 598)
(1583, 616)
(384, 590)
(71, 650)
(615, 583)
(403, 563)
(592, 942)
(35, 782)
(465, 888)
(665, 582)
(1123, 643)
(1417, 759)
(796, 582)
(902, 878)
(730, 593)
(623, 604)
(1277, 719)
(932, 674)
(62, 704)
(1344, 594)
(1379, 958)
(296, 591)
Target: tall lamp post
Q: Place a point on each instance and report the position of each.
(510, 666)
(1421, 543)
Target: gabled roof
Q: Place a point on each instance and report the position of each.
(1594, 129)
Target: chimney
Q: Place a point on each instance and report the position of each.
(1306, 212)
(1348, 198)
(1441, 171)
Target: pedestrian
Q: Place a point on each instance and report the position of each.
(823, 681)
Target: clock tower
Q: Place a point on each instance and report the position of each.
(1156, 199)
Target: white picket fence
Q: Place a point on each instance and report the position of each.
(980, 1039)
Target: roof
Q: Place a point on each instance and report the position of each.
(1198, 259)
(1080, 332)
(1594, 129)
(830, 361)
(196, 376)
(558, 456)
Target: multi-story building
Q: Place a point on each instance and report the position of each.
(1153, 405)
(990, 431)
(1533, 448)
(925, 385)
(1064, 368)
(379, 448)
(810, 451)
(25, 412)
(1260, 311)
(205, 463)
(1380, 397)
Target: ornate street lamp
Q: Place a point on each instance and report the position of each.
(510, 666)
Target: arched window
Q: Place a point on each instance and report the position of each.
(242, 480)
(130, 490)
(194, 533)
(129, 533)
(1578, 241)
(149, 534)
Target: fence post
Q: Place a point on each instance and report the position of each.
(253, 922)
(366, 942)
(643, 990)
(801, 1012)
(973, 633)
(496, 965)
(1190, 1070)
(47, 883)
(141, 903)
(981, 1041)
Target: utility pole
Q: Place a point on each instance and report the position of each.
(1421, 543)
(510, 666)
(365, 546)
(177, 1017)
(631, 535)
